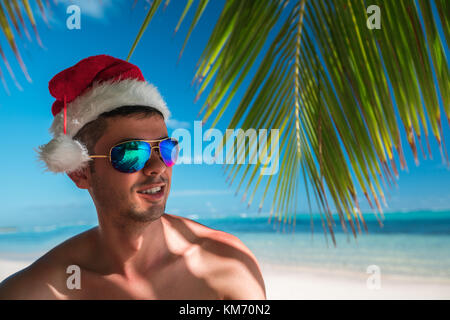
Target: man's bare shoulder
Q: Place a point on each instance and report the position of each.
(45, 278)
(33, 282)
(225, 262)
(234, 270)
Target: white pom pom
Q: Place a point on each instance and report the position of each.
(63, 154)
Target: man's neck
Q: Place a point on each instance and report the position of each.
(130, 249)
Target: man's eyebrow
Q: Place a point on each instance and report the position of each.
(128, 139)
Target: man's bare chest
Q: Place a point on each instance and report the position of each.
(174, 282)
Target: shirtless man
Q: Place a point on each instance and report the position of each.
(137, 251)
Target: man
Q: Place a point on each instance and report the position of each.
(111, 139)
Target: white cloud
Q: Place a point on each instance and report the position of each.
(190, 193)
(210, 206)
(197, 159)
(94, 9)
(176, 124)
(101, 10)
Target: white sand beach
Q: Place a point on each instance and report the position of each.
(283, 282)
(296, 283)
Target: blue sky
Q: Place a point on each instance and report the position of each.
(110, 28)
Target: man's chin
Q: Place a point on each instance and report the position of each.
(151, 214)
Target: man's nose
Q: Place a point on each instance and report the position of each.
(155, 164)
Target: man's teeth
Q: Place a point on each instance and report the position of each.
(152, 190)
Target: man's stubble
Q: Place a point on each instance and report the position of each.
(120, 206)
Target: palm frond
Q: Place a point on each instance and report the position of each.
(11, 13)
(339, 93)
(30, 15)
(155, 5)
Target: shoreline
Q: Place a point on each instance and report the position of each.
(286, 282)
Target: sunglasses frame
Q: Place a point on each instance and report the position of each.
(148, 141)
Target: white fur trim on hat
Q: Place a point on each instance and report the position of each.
(63, 154)
(107, 96)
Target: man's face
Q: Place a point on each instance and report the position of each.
(115, 193)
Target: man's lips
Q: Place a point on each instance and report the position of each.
(151, 186)
(153, 196)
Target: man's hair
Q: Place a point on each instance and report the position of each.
(91, 132)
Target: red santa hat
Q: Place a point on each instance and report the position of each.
(93, 86)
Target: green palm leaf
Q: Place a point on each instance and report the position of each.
(11, 10)
(339, 93)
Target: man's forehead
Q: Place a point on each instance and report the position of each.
(131, 128)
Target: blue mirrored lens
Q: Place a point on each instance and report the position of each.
(129, 157)
(169, 151)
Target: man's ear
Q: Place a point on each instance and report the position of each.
(80, 178)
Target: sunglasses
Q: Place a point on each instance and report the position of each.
(131, 156)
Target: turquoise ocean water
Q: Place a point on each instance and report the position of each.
(410, 243)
